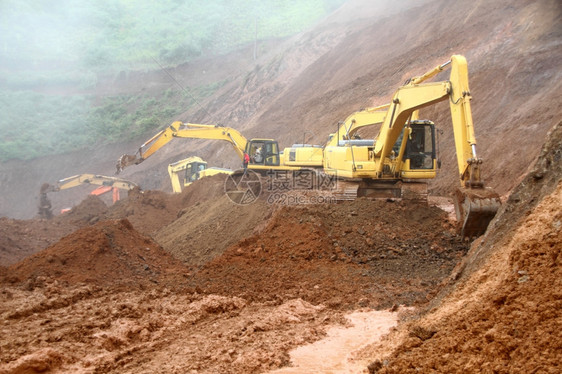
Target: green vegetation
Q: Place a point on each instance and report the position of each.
(68, 43)
(35, 125)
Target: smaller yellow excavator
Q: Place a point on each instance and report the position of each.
(105, 184)
(185, 172)
(264, 154)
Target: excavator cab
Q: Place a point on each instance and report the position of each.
(420, 147)
(192, 171)
(419, 153)
(263, 152)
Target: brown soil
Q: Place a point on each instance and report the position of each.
(108, 253)
(206, 229)
(346, 255)
(147, 212)
(150, 211)
(195, 283)
(22, 238)
(503, 314)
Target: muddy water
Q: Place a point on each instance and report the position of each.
(333, 354)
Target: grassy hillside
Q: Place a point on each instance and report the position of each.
(69, 44)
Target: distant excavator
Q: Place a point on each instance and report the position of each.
(264, 154)
(392, 165)
(185, 172)
(105, 184)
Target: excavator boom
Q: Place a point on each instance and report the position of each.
(184, 130)
(95, 179)
(105, 184)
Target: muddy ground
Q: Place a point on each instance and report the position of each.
(192, 283)
(105, 295)
(107, 298)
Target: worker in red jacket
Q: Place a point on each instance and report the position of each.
(246, 161)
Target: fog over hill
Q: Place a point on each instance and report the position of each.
(300, 87)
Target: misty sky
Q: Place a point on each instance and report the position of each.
(36, 34)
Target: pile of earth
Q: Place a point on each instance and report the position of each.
(358, 253)
(150, 211)
(205, 230)
(147, 211)
(504, 313)
(22, 238)
(109, 253)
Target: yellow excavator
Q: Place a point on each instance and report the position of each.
(186, 171)
(392, 165)
(264, 154)
(404, 152)
(105, 184)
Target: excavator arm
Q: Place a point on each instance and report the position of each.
(95, 179)
(184, 130)
(357, 120)
(404, 150)
(76, 180)
(475, 204)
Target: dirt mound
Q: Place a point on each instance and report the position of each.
(149, 211)
(107, 253)
(208, 188)
(207, 228)
(22, 238)
(503, 315)
(87, 212)
(359, 253)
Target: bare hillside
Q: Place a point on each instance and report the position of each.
(300, 88)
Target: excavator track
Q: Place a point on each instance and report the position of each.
(345, 191)
(413, 192)
(475, 209)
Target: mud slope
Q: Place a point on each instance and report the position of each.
(351, 60)
(109, 253)
(361, 253)
(147, 212)
(504, 314)
(205, 230)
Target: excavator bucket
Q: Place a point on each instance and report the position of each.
(126, 160)
(475, 208)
